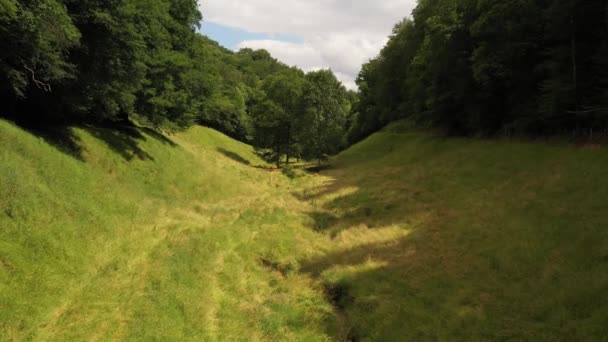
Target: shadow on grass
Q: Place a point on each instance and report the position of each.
(371, 277)
(234, 156)
(317, 168)
(356, 209)
(123, 139)
(375, 271)
(391, 291)
(323, 221)
(390, 254)
(62, 138)
(486, 256)
(319, 192)
(158, 136)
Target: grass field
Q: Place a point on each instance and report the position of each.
(505, 240)
(129, 235)
(140, 237)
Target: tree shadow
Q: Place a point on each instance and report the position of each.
(370, 252)
(406, 278)
(474, 265)
(158, 136)
(124, 139)
(360, 208)
(317, 168)
(319, 192)
(322, 221)
(234, 156)
(62, 138)
(387, 253)
(372, 275)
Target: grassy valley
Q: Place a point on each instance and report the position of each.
(131, 235)
(139, 236)
(148, 190)
(498, 239)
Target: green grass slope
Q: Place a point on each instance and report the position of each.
(127, 235)
(130, 235)
(500, 240)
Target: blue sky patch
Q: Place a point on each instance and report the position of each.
(230, 37)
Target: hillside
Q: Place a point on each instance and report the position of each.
(506, 239)
(129, 234)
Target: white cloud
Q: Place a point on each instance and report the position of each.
(303, 55)
(336, 34)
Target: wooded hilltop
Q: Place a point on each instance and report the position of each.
(93, 61)
(469, 67)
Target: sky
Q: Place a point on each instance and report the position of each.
(311, 34)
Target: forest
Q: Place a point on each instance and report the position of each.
(123, 61)
(489, 67)
(468, 67)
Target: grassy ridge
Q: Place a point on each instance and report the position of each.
(407, 236)
(132, 236)
(507, 240)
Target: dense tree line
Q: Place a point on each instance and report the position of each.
(143, 61)
(283, 111)
(485, 67)
(100, 60)
(302, 115)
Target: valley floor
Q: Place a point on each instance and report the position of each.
(406, 236)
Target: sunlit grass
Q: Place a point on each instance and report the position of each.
(406, 236)
(141, 238)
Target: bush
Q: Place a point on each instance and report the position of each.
(290, 172)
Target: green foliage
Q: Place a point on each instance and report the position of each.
(97, 60)
(290, 172)
(120, 60)
(35, 37)
(483, 67)
(255, 98)
(275, 118)
(134, 59)
(323, 121)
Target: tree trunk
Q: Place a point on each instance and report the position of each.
(288, 143)
(278, 155)
(573, 56)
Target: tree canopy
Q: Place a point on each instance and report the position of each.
(470, 67)
(65, 61)
(484, 67)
